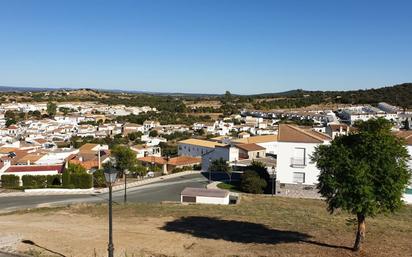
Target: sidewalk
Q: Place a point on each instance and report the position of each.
(63, 191)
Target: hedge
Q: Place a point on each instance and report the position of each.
(34, 181)
(77, 180)
(10, 181)
(54, 180)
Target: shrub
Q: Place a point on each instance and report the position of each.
(252, 183)
(197, 167)
(82, 180)
(34, 181)
(99, 179)
(54, 180)
(10, 181)
(184, 168)
(66, 179)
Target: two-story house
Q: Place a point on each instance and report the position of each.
(295, 170)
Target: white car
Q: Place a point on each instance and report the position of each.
(150, 174)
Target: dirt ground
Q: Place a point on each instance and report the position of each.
(257, 227)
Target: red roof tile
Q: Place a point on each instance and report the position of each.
(35, 168)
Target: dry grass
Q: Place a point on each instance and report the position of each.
(258, 226)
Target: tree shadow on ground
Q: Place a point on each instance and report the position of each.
(239, 231)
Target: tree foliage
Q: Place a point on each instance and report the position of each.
(125, 158)
(51, 109)
(251, 182)
(364, 173)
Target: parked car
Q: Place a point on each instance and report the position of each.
(150, 174)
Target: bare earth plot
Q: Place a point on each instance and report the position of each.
(259, 226)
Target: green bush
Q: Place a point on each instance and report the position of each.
(34, 181)
(251, 182)
(197, 167)
(54, 180)
(10, 181)
(82, 180)
(99, 179)
(66, 179)
(184, 168)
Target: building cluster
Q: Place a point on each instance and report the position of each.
(33, 146)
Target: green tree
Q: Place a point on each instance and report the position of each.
(134, 135)
(99, 179)
(153, 133)
(75, 169)
(250, 182)
(364, 173)
(222, 166)
(51, 109)
(10, 122)
(139, 170)
(125, 158)
(64, 110)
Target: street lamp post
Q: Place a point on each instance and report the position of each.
(110, 174)
(125, 172)
(210, 170)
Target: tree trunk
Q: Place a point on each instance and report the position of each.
(360, 234)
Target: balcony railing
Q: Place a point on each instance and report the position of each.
(297, 162)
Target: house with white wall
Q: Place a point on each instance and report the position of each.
(269, 142)
(225, 152)
(196, 147)
(295, 170)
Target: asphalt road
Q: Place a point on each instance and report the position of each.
(165, 190)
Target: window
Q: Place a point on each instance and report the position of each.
(298, 177)
(299, 157)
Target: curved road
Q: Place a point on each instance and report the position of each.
(165, 190)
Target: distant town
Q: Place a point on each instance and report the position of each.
(43, 138)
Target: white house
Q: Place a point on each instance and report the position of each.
(269, 142)
(196, 147)
(334, 130)
(225, 152)
(294, 167)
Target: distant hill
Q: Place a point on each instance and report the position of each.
(24, 89)
(400, 95)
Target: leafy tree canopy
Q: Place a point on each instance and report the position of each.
(364, 173)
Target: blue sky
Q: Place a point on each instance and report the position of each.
(206, 46)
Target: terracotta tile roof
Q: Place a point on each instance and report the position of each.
(88, 165)
(250, 147)
(405, 134)
(6, 150)
(32, 157)
(257, 139)
(87, 147)
(35, 168)
(199, 142)
(155, 159)
(184, 160)
(290, 133)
